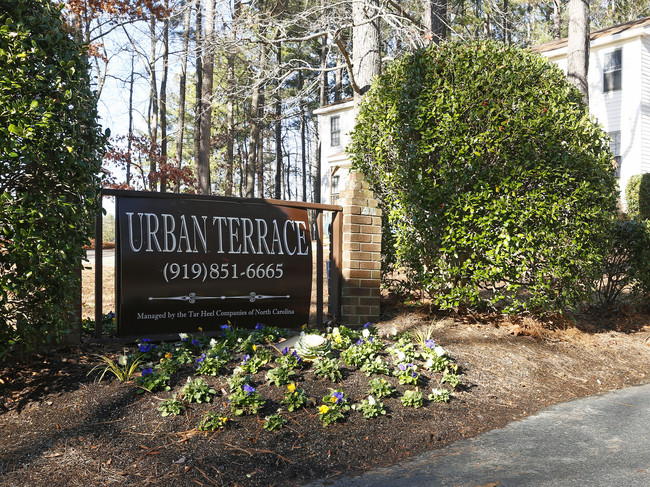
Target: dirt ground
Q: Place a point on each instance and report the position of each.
(59, 427)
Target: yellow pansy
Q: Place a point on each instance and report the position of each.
(291, 387)
(323, 409)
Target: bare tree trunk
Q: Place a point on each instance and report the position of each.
(365, 48)
(153, 103)
(260, 147)
(230, 107)
(198, 110)
(255, 122)
(506, 25)
(130, 136)
(278, 132)
(203, 164)
(557, 19)
(163, 99)
(435, 20)
(181, 90)
(578, 46)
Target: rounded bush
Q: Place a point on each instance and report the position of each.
(496, 185)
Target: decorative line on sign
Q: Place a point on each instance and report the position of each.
(193, 298)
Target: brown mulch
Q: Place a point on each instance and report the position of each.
(58, 427)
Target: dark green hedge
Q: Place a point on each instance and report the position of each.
(50, 153)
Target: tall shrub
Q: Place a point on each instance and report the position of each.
(496, 184)
(637, 196)
(50, 150)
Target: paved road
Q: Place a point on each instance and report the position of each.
(597, 441)
(108, 257)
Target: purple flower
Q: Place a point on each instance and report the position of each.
(370, 339)
(360, 342)
(401, 367)
(259, 326)
(367, 325)
(285, 350)
(200, 359)
(110, 315)
(147, 371)
(145, 347)
(246, 358)
(297, 356)
(248, 389)
(195, 342)
(338, 396)
(225, 328)
(430, 343)
(414, 374)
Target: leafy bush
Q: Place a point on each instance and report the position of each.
(627, 268)
(496, 185)
(50, 152)
(637, 196)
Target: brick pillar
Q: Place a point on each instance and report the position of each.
(361, 265)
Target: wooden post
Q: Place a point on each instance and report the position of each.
(99, 240)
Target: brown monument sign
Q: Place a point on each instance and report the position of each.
(185, 263)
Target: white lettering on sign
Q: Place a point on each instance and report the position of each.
(166, 233)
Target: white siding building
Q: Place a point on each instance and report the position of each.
(619, 91)
(335, 122)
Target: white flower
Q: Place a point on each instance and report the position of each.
(393, 331)
(365, 333)
(123, 360)
(428, 364)
(237, 371)
(335, 331)
(213, 343)
(401, 356)
(371, 400)
(183, 336)
(437, 392)
(439, 351)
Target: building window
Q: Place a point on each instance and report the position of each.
(615, 147)
(335, 131)
(612, 71)
(335, 189)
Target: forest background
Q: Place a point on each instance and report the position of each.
(218, 96)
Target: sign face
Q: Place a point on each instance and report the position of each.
(190, 263)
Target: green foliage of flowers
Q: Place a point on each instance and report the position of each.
(153, 380)
(439, 395)
(245, 400)
(290, 360)
(279, 376)
(334, 407)
(406, 374)
(124, 369)
(253, 363)
(450, 378)
(213, 421)
(496, 184)
(171, 406)
(274, 422)
(197, 390)
(342, 337)
(360, 353)
(412, 399)
(51, 146)
(370, 408)
(294, 398)
(376, 366)
(327, 368)
(380, 387)
(206, 365)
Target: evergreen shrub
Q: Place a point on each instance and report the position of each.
(50, 152)
(497, 186)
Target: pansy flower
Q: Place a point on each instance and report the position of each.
(248, 389)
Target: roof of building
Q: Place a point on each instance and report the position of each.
(597, 34)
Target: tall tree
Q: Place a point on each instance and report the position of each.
(578, 46)
(203, 162)
(181, 91)
(365, 45)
